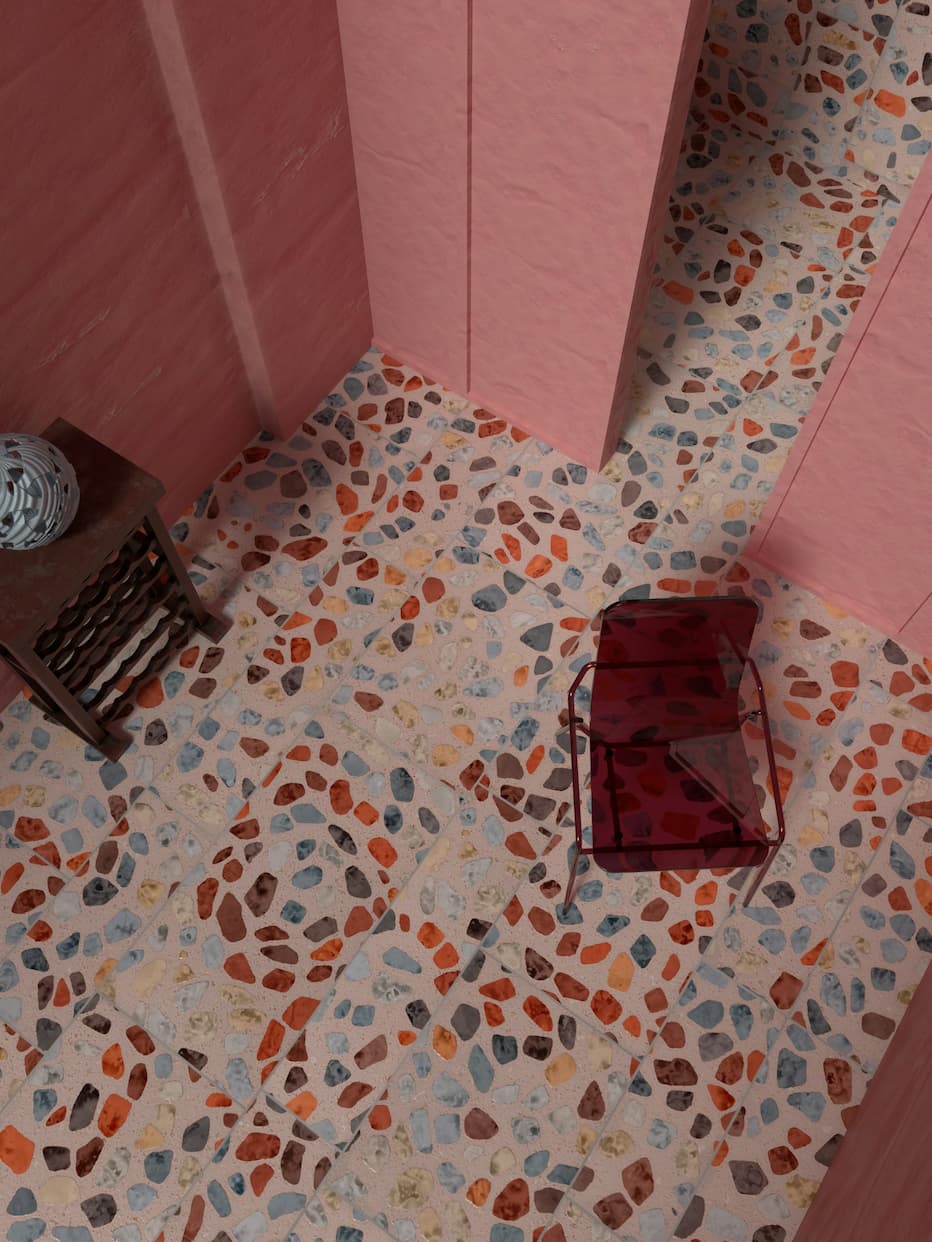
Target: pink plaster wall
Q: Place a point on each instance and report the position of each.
(270, 87)
(849, 517)
(407, 81)
(577, 116)
(110, 313)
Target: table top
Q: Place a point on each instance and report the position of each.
(115, 496)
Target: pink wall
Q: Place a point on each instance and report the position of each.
(407, 81)
(269, 83)
(511, 160)
(111, 315)
(849, 517)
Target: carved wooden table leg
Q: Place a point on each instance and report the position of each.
(207, 623)
(54, 697)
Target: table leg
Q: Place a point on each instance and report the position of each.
(49, 689)
(207, 623)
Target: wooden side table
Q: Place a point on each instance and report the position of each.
(74, 614)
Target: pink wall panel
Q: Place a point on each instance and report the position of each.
(110, 313)
(577, 116)
(850, 515)
(269, 81)
(406, 76)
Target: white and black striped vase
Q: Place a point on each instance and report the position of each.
(38, 492)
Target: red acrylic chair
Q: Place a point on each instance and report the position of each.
(671, 784)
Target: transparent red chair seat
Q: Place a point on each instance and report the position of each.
(671, 785)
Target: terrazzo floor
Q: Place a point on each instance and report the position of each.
(297, 966)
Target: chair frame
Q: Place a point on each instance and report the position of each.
(577, 724)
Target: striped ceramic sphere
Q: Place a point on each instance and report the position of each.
(38, 492)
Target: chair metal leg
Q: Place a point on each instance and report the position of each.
(568, 900)
(758, 879)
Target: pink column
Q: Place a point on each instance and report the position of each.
(406, 77)
(578, 112)
(850, 515)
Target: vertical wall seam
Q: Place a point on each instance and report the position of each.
(469, 67)
(168, 43)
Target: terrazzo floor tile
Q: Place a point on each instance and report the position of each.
(651, 479)
(565, 527)
(461, 660)
(383, 396)
(235, 744)
(385, 1000)
(441, 491)
(108, 1131)
(691, 548)
(685, 1098)
(817, 208)
(892, 133)
(64, 796)
(768, 38)
(169, 705)
(749, 60)
(813, 659)
(728, 94)
(619, 954)
(715, 161)
(904, 677)
(60, 796)
(825, 211)
(669, 392)
(382, 418)
(303, 637)
(490, 1119)
(355, 597)
(572, 1223)
(18, 1058)
(76, 936)
(881, 745)
(838, 67)
(259, 1184)
(544, 524)
(27, 882)
(233, 969)
(531, 776)
(729, 300)
(774, 944)
(866, 976)
(343, 488)
(876, 15)
(802, 1103)
(794, 375)
(329, 1218)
